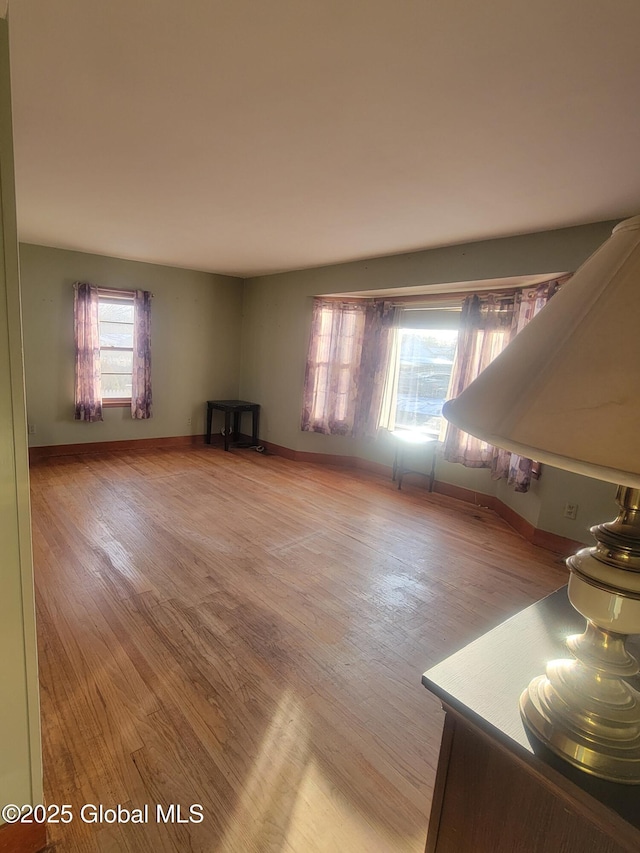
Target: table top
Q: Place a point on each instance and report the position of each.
(483, 682)
(231, 404)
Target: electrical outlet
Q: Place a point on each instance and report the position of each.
(32, 429)
(571, 511)
(188, 421)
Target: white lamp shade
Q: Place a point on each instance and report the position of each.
(566, 391)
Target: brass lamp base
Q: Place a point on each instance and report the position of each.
(584, 709)
(600, 737)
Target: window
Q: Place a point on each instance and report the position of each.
(420, 365)
(116, 321)
(112, 331)
(335, 352)
(425, 360)
(338, 357)
(347, 359)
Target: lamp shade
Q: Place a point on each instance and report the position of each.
(566, 391)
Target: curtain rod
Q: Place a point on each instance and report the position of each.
(117, 293)
(418, 299)
(453, 295)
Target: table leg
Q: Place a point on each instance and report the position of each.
(209, 419)
(227, 429)
(256, 421)
(399, 472)
(432, 472)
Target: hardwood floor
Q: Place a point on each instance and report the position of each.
(248, 633)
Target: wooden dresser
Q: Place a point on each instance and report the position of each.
(493, 793)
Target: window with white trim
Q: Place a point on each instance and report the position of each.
(420, 369)
(116, 320)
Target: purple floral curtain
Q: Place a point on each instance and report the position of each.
(346, 364)
(485, 330)
(331, 377)
(88, 392)
(141, 398)
(487, 326)
(380, 320)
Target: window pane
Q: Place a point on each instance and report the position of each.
(116, 335)
(342, 396)
(115, 361)
(320, 391)
(347, 339)
(426, 359)
(116, 385)
(118, 311)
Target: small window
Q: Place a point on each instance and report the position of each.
(116, 316)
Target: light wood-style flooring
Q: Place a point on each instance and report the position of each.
(248, 633)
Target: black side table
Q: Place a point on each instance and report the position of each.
(235, 407)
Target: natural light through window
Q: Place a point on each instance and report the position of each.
(425, 360)
(116, 316)
(336, 333)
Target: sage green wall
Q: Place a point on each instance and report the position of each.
(197, 318)
(20, 752)
(276, 323)
(595, 499)
(195, 345)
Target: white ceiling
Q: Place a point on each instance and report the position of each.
(252, 136)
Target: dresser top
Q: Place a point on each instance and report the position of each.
(483, 683)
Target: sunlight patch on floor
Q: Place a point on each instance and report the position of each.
(324, 819)
(288, 803)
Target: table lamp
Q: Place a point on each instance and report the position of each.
(566, 391)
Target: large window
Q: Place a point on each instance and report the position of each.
(420, 365)
(375, 364)
(116, 319)
(425, 359)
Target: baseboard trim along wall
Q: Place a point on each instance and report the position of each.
(328, 459)
(542, 538)
(23, 837)
(38, 453)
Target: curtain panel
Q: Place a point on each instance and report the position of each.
(488, 324)
(381, 320)
(485, 330)
(88, 376)
(389, 394)
(346, 366)
(141, 397)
